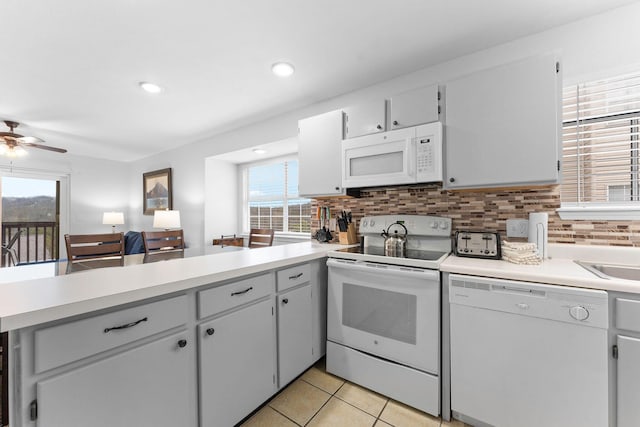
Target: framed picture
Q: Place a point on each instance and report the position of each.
(156, 191)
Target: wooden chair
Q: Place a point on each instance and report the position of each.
(155, 241)
(91, 246)
(260, 237)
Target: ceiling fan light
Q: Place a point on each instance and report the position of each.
(150, 87)
(16, 151)
(3, 149)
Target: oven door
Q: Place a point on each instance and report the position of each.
(388, 311)
(380, 159)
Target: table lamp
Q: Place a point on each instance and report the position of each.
(166, 219)
(113, 219)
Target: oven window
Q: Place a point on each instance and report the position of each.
(377, 164)
(380, 312)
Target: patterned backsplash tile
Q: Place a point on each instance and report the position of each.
(483, 210)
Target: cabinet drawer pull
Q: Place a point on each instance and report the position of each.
(182, 343)
(211, 331)
(128, 325)
(296, 276)
(242, 292)
(285, 300)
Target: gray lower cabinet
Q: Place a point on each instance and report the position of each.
(146, 386)
(628, 379)
(295, 335)
(237, 360)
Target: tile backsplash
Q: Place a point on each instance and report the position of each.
(483, 210)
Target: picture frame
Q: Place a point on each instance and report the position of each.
(156, 191)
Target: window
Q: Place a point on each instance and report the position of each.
(272, 199)
(601, 123)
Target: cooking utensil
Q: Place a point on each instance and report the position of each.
(395, 245)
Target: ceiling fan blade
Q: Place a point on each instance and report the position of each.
(10, 134)
(43, 147)
(30, 140)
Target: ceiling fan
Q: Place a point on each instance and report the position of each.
(14, 143)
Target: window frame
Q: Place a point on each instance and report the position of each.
(243, 179)
(620, 210)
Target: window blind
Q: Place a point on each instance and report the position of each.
(273, 200)
(601, 123)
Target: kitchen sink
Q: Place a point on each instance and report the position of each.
(611, 271)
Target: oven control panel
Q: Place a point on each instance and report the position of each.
(477, 244)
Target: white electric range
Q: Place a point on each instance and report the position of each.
(383, 312)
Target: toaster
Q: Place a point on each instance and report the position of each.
(477, 244)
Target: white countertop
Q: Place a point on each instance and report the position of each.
(27, 298)
(559, 269)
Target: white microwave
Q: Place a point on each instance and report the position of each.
(404, 156)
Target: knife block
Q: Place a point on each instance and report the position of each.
(348, 237)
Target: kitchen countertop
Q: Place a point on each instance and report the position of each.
(28, 297)
(559, 269)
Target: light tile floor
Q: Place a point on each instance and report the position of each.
(319, 399)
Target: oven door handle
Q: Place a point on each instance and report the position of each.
(396, 270)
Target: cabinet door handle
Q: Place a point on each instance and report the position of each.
(296, 276)
(211, 331)
(128, 325)
(452, 180)
(182, 343)
(285, 300)
(379, 127)
(242, 292)
(395, 123)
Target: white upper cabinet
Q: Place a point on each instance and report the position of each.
(365, 118)
(503, 125)
(414, 107)
(319, 151)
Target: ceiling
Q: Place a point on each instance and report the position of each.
(70, 68)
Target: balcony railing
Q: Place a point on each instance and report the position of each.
(38, 242)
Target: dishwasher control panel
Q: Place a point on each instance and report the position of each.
(477, 244)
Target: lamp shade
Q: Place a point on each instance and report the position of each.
(113, 218)
(166, 219)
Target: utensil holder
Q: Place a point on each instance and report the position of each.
(348, 237)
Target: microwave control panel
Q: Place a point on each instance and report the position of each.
(428, 145)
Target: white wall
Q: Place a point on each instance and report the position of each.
(597, 46)
(221, 195)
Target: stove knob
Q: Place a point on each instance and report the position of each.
(444, 225)
(578, 312)
(372, 223)
(364, 223)
(434, 225)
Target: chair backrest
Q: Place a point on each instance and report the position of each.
(91, 246)
(260, 237)
(162, 240)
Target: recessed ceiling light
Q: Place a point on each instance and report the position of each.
(282, 69)
(259, 151)
(150, 87)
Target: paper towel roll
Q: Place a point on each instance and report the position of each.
(538, 231)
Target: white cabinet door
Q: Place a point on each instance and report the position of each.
(152, 385)
(414, 107)
(628, 381)
(294, 333)
(503, 126)
(237, 363)
(364, 119)
(319, 153)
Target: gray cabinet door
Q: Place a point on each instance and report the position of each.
(152, 385)
(295, 337)
(237, 362)
(628, 381)
(319, 155)
(414, 107)
(503, 126)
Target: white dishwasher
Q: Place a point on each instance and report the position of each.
(526, 354)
